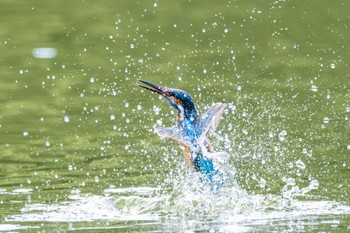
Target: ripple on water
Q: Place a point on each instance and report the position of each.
(186, 205)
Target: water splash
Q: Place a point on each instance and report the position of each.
(188, 206)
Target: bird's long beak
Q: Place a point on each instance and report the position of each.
(163, 91)
(167, 93)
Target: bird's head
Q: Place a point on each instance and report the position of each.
(179, 99)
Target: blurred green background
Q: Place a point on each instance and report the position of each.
(78, 120)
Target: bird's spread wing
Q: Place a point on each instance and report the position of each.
(210, 120)
(173, 133)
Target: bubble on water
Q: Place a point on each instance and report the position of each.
(126, 104)
(204, 71)
(25, 133)
(314, 88)
(132, 46)
(47, 143)
(326, 120)
(70, 167)
(112, 117)
(92, 79)
(97, 179)
(139, 107)
(66, 119)
(333, 66)
(225, 30)
(155, 4)
(349, 147)
(300, 164)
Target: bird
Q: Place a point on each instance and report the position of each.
(191, 130)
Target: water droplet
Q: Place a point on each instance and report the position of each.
(262, 183)
(139, 107)
(132, 46)
(300, 164)
(282, 135)
(333, 66)
(313, 88)
(25, 133)
(112, 117)
(314, 184)
(290, 181)
(204, 71)
(92, 79)
(326, 120)
(66, 119)
(155, 4)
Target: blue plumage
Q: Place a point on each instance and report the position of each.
(191, 130)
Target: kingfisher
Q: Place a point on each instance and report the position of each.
(191, 130)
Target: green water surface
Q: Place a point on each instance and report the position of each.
(77, 122)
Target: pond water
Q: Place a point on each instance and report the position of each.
(78, 151)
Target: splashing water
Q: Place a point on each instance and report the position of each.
(185, 203)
